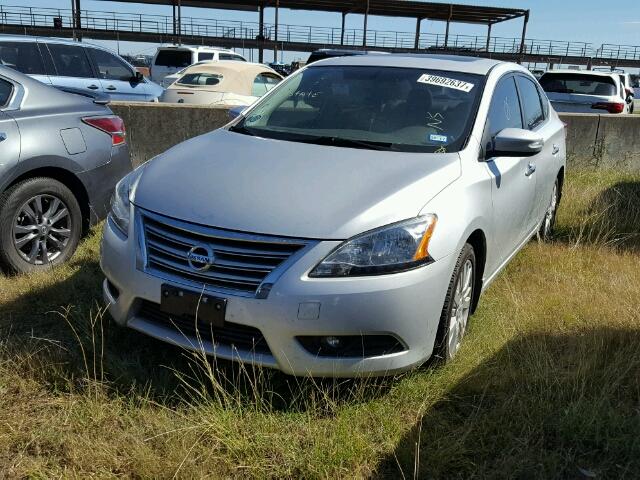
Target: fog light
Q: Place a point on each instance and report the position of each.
(332, 342)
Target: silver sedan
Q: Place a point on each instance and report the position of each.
(344, 225)
(61, 155)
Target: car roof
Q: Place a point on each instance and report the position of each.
(583, 72)
(230, 66)
(237, 77)
(456, 63)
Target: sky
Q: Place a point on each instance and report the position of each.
(593, 21)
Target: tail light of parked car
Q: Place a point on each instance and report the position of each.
(112, 124)
(611, 107)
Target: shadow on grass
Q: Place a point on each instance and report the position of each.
(61, 335)
(561, 406)
(612, 219)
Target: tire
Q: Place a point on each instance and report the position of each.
(453, 319)
(545, 233)
(40, 225)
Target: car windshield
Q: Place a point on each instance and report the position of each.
(403, 109)
(578, 84)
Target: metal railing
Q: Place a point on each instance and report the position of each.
(325, 36)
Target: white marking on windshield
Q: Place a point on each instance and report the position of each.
(446, 82)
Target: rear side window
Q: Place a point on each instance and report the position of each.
(70, 61)
(5, 92)
(205, 56)
(174, 58)
(531, 105)
(209, 79)
(229, 56)
(109, 66)
(544, 100)
(578, 84)
(504, 111)
(263, 83)
(22, 56)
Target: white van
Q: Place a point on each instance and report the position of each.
(172, 58)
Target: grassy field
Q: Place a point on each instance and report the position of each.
(547, 384)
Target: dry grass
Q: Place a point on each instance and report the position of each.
(547, 384)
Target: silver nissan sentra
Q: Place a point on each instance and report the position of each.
(345, 224)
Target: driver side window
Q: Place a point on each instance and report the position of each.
(504, 111)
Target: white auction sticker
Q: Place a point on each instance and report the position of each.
(446, 82)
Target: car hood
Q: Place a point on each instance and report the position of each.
(239, 182)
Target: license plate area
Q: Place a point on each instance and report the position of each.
(185, 303)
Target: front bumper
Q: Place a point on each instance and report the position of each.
(405, 305)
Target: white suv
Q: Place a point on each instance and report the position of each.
(173, 58)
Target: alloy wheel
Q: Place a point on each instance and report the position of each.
(42, 229)
(460, 308)
(550, 215)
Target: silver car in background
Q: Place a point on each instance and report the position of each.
(79, 65)
(344, 225)
(61, 155)
(586, 91)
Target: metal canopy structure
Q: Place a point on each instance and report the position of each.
(386, 8)
(445, 12)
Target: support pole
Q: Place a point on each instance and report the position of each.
(261, 35)
(366, 20)
(488, 37)
(179, 22)
(446, 35)
(173, 5)
(78, 12)
(524, 32)
(418, 24)
(275, 44)
(344, 16)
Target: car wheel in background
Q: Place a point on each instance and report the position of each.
(457, 306)
(40, 225)
(545, 233)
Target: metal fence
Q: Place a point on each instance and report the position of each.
(326, 36)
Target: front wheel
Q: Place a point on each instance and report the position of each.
(40, 225)
(545, 233)
(457, 306)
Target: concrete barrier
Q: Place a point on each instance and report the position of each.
(153, 128)
(597, 141)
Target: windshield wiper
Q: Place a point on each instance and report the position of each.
(348, 142)
(240, 128)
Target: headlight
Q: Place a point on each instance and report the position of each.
(394, 248)
(121, 199)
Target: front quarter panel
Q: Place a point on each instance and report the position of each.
(462, 207)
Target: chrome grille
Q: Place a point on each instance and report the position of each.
(242, 261)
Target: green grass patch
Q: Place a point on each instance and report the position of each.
(547, 384)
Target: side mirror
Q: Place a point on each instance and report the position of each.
(235, 112)
(516, 142)
(137, 77)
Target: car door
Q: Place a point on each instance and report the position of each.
(9, 133)
(117, 79)
(73, 68)
(24, 56)
(513, 186)
(535, 109)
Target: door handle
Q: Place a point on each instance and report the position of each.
(555, 150)
(531, 168)
(3, 136)
(93, 87)
(111, 87)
